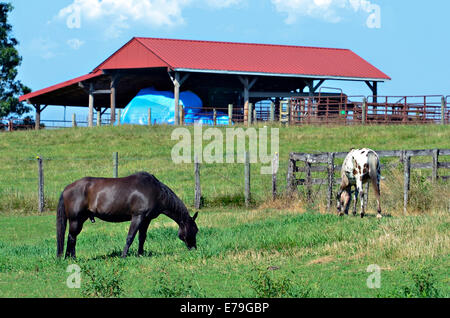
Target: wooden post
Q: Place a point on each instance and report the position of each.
(272, 112)
(331, 156)
(10, 125)
(250, 113)
(289, 110)
(434, 175)
(176, 84)
(308, 180)
(230, 114)
(74, 120)
(91, 106)
(364, 111)
(214, 117)
(407, 176)
(290, 178)
(443, 106)
(181, 115)
(198, 189)
(275, 165)
(114, 81)
(119, 115)
(99, 118)
(255, 117)
(37, 123)
(41, 202)
(115, 165)
(247, 179)
(149, 118)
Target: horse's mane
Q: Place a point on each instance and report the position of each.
(169, 200)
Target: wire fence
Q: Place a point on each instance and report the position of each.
(223, 184)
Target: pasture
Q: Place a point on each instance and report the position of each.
(281, 248)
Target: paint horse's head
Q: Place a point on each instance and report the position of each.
(188, 232)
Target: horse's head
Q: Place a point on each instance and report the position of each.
(342, 200)
(188, 232)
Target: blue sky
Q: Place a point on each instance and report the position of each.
(408, 40)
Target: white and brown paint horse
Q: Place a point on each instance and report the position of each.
(360, 166)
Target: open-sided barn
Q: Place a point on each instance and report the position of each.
(220, 73)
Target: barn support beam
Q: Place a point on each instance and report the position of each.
(91, 105)
(248, 85)
(39, 110)
(113, 87)
(177, 82)
(374, 88)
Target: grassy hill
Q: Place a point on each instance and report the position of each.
(273, 249)
(75, 153)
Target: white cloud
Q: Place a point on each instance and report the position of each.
(75, 44)
(119, 13)
(328, 10)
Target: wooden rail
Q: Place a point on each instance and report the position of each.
(328, 158)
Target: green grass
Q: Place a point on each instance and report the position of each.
(258, 253)
(273, 249)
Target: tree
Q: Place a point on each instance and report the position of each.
(10, 60)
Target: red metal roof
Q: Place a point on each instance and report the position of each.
(263, 59)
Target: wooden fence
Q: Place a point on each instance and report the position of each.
(311, 163)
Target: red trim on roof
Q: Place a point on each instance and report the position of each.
(61, 85)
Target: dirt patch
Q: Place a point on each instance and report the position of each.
(322, 260)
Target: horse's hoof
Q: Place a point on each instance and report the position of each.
(379, 216)
(362, 215)
(340, 213)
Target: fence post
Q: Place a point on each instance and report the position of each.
(275, 165)
(198, 189)
(115, 165)
(214, 117)
(230, 114)
(255, 117)
(247, 179)
(272, 112)
(119, 115)
(41, 198)
(407, 175)
(434, 175)
(364, 111)
(250, 114)
(290, 178)
(288, 105)
(331, 156)
(10, 125)
(149, 121)
(443, 106)
(99, 118)
(308, 179)
(74, 120)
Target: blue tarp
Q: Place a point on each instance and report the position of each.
(162, 107)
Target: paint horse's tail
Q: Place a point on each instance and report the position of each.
(61, 223)
(375, 175)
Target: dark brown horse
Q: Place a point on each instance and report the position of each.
(140, 198)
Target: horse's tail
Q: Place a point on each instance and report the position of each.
(374, 171)
(61, 223)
